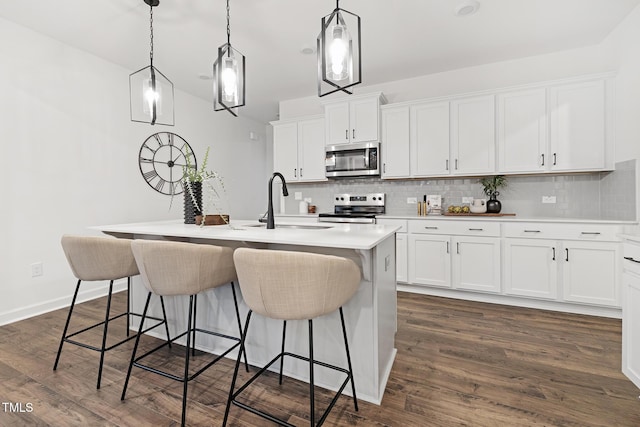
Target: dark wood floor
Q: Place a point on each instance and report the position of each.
(458, 364)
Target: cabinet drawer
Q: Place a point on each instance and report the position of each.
(594, 232)
(455, 227)
(402, 223)
(631, 254)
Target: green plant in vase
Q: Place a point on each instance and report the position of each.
(198, 182)
(490, 186)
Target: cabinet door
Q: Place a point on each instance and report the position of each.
(401, 257)
(631, 328)
(476, 263)
(590, 272)
(311, 150)
(430, 139)
(531, 268)
(364, 120)
(577, 126)
(473, 135)
(395, 142)
(429, 260)
(285, 150)
(337, 123)
(522, 131)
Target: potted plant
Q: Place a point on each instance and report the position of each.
(490, 186)
(193, 182)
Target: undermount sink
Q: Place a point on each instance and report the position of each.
(298, 226)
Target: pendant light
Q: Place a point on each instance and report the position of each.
(150, 91)
(338, 47)
(228, 76)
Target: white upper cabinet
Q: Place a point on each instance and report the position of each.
(395, 143)
(356, 119)
(473, 140)
(522, 131)
(578, 126)
(299, 150)
(430, 139)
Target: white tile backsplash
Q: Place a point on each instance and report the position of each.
(601, 195)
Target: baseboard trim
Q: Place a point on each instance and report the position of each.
(23, 313)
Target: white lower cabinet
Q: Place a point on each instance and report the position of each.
(458, 255)
(401, 257)
(590, 272)
(430, 260)
(631, 312)
(531, 268)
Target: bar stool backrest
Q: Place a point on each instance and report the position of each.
(295, 285)
(178, 268)
(99, 258)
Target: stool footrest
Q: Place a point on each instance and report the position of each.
(129, 338)
(148, 368)
(275, 359)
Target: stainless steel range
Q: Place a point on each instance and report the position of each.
(359, 208)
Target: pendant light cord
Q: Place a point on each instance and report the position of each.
(151, 33)
(228, 26)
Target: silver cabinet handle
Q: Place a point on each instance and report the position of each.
(384, 168)
(628, 258)
(431, 228)
(446, 164)
(532, 231)
(295, 173)
(567, 258)
(554, 159)
(300, 172)
(553, 258)
(592, 233)
(354, 133)
(476, 229)
(458, 248)
(456, 164)
(447, 247)
(542, 155)
(346, 134)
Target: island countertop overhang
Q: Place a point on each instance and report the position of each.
(345, 236)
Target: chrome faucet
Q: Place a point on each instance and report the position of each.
(270, 221)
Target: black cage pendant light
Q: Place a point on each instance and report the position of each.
(150, 91)
(338, 46)
(228, 76)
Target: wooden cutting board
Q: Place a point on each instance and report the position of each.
(478, 214)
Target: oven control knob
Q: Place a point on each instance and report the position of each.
(342, 198)
(337, 198)
(374, 198)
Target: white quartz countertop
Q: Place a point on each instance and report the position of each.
(506, 219)
(348, 236)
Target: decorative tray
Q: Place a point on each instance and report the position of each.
(478, 214)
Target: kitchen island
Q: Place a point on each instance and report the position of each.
(370, 315)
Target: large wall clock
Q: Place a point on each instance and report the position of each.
(162, 159)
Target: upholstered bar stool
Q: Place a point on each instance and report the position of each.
(183, 269)
(294, 286)
(100, 259)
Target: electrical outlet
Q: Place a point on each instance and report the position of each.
(298, 195)
(548, 199)
(308, 199)
(412, 200)
(467, 200)
(36, 269)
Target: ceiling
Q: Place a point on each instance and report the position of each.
(400, 39)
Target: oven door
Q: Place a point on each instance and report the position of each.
(352, 160)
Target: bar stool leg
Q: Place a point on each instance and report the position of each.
(346, 346)
(312, 400)
(166, 324)
(104, 334)
(128, 304)
(195, 306)
(191, 322)
(284, 333)
(66, 325)
(243, 336)
(235, 303)
(135, 347)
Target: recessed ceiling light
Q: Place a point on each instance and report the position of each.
(466, 8)
(307, 50)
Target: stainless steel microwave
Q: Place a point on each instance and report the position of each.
(359, 159)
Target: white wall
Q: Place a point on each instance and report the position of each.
(69, 161)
